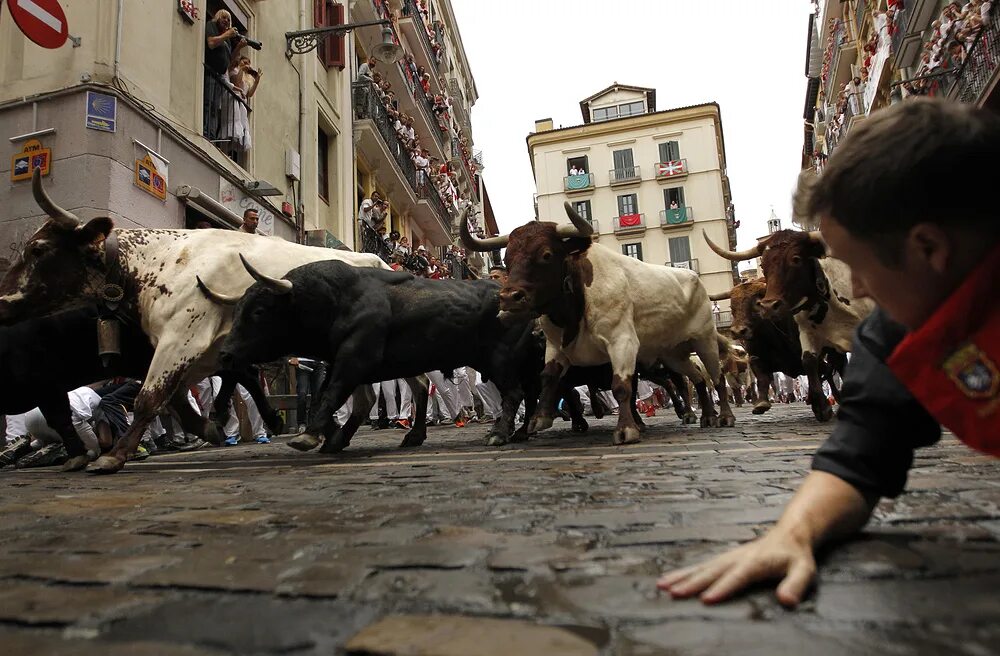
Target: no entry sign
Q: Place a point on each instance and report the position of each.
(42, 21)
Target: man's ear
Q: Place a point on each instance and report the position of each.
(95, 230)
(930, 246)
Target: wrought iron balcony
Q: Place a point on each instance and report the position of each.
(691, 265)
(629, 223)
(412, 12)
(676, 217)
(624, 175)
(677, 168)
(981, 62)
(579, 182)
(368, 105)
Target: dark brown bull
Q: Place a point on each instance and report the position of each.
(797, 294)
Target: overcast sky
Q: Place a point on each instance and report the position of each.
(538, 58)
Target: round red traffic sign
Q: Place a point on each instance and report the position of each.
(42, 21)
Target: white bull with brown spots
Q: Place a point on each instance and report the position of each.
(68, 263)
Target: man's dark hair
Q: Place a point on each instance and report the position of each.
(250, 209)
(499, 267)
(922, 160)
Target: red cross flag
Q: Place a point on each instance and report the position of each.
(42, 21)
(674, 167)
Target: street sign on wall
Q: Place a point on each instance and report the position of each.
(42, 21)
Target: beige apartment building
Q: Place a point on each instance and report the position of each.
(650, 181)
(136, 127)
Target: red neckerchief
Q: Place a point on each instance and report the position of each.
(950, 363)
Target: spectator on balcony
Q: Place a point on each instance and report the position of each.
(422, 164)
(243, 81)
(574, 171)
(219, 58)
(404, 245)
(366, 69)
(674, 205)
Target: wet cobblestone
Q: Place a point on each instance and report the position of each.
(257, 549)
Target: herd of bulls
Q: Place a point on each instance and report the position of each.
(195, 302)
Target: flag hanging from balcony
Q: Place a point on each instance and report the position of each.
(667, 169)
(630, 220)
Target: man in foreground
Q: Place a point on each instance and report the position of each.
(927, 357)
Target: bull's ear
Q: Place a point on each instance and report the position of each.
(95, 230)
(816, 248)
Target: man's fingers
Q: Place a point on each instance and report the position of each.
(794, 586)
(734, 580)
(701, 579)
(668, 579)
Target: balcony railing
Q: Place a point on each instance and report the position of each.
(597, 227)
(840, 36)
(981, 62)
(580, 182)
(723, 319)
(477, 157)
(372, 243)
(677, 216)
(676, 168)
(691, 265)
(410, 10)
(368, 105)
(624, 175)
(426, 191)
(630, 223)
(226, 117)
(902, 22)
(859, 15)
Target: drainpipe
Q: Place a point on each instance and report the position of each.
(118, 38)
(300, 211)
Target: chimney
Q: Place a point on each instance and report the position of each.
(543, 125)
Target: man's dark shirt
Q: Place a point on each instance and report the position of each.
(217, 59)
(879, 423)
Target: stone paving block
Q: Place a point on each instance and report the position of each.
(83, 568)
(675, 534)
(966, 601)
(444, 590)
(37, 643)
(711, 638)
(423, 635)
(27, 603)
(216, 517)
(247, 624)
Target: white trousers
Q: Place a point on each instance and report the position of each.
(15, 427)
(443, 400)
(490, 396)
(207, 391)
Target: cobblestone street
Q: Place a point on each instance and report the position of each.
(549, 547)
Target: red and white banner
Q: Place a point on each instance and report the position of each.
(630, 220)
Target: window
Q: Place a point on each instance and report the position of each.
(673, 195)
(580, 163)
(680, 250)
(632, 250)
(323, 153)
(624, 165)
(669, 151)
(628, 204)
(604, 114)
(327, 13)
(631, 109)
(583, 209)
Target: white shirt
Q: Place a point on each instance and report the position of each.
(574, 171)
(82, 402)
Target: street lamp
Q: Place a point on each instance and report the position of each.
(303, 41)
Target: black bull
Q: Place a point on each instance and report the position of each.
(42, 359)
(373, 325)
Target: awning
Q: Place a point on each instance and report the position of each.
(211, 208)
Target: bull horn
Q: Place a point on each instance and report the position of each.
(276, 285)
(721, 296)
(475, 243)
(214, 296)
(581, 227)
(62, 218)
(735, 256)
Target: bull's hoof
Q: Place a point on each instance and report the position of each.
(495, 439)
(276, 423)
(710, 421)
(762, 407)
(689, 418)
(520, 435)
(105, 465)
(214, 433)
(76, 463)
(334, 444)
(580, 426)
(304, 442)
(625, 436)
(727, 421)
(413, 438)
(823, 411)
(539, 423)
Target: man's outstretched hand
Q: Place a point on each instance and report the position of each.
(776, 556)
(824, 508)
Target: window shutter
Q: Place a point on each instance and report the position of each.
(333, 49)
(319, 13)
